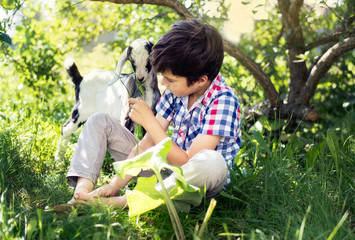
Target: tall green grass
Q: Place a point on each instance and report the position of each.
(294, 189)
(286, 184)
(280, 189)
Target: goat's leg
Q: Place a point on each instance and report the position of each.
(67, 130)
(61, 147)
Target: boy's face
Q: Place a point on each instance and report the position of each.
(178, 84)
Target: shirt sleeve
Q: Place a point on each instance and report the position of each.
(222, 116)
(165, 105)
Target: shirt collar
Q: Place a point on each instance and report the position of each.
(204, 97)
(215, 83)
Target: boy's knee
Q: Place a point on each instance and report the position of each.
(209, 161)
(99, 118)
(209, 168)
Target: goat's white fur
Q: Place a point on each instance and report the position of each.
(108, 91)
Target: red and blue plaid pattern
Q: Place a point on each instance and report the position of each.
(217, 112)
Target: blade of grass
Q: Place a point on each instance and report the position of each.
(333, 146)
(340, 223)
(207, 216)
(300, 236)
(171, 209)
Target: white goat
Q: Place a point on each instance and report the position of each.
(108, 91)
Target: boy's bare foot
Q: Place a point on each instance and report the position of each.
(83, 187)
(116, 202)
(104, 195)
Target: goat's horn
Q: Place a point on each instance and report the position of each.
(123, 59)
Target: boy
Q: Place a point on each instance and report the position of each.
(202, 108)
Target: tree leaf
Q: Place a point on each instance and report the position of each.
(5, 38)
(7, 4)
(265, 123)
(145, 197)
(312, 156)
(260, 140)
(31, 227)
(289, 151)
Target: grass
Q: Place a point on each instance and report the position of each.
(285, 185)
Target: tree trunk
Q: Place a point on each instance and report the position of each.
(296, 46)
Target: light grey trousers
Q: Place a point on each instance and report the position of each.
(101, 132)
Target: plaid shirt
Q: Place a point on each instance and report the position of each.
(216, 112)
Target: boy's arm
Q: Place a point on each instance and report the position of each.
(177, 156)
(203, 141)
(156, 131)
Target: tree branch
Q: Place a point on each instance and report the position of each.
(322, 67)
(283, 111)
(255, 70)
(328, 39)
(334, 37)
(174, 4)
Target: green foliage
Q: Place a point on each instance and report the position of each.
(284, 179)
(7, 4)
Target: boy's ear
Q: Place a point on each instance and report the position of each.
(203, 79)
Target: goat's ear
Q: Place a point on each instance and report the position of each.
(149, 47)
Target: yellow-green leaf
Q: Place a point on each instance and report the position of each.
(7, 4)
(144, 197)
(154, 158)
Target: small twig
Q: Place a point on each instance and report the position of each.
(74, 4)
(332, 10)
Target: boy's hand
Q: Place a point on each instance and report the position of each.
(140, 112)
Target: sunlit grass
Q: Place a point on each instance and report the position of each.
(286, 184)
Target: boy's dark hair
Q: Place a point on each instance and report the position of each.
(190, 49)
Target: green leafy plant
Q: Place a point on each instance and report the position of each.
(146, 197)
